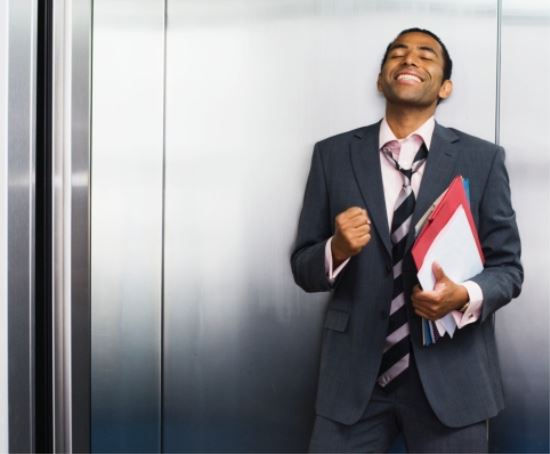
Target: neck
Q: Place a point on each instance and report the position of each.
(404, 121)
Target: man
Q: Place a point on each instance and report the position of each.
(365, 190)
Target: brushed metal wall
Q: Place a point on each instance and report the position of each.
(19, 169)
(522, 331)
(4, 393)
(71, 125)
(190, 273)
(126, 224)
(250, 87)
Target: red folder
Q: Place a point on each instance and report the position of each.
(454, 197)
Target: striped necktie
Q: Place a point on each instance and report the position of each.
(397, 348)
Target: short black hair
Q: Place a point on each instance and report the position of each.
(447, 62)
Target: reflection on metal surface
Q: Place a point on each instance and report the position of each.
(21, 161)
(126, 219)
(223, 12)
(250, 86)
(71, 224)
(4, 36)
(81, 41)
(249, 91)
(61, 240)
(527, 12)
(523, 326)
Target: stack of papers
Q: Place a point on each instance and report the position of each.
(447, 235)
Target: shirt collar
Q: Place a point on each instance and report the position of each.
(425, 132)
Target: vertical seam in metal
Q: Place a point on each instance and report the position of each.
(497, 125)
(164, 44)
(32, 220)
(498, 72)
(59, 148)
(89, 212)
(67, 222)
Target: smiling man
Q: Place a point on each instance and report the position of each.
(366, 189)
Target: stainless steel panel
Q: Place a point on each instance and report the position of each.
(21, 44)
(523, 326)
(4, 36)
(126, 224)
(61, 241)
(80, 258)
(250, 87)
(71, 224)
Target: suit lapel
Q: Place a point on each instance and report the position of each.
(365, 160)
(438, 174)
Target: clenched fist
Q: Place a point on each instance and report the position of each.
(352, 233)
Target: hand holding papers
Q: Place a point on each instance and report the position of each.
(447, 236)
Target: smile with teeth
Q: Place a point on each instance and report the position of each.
(409, 77)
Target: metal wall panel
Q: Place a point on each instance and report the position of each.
(71, 123)
(251, 85)
(4, 34)
(80, 348)
(21, 162)
(523, 326)
(126, 224)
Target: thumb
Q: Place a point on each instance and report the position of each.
(439, 274)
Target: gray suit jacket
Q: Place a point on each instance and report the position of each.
(461, 376)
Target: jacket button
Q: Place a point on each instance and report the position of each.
(388, 268)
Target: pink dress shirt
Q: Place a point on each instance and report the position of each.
(392, 182)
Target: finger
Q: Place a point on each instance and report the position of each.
(344, 217)
(424, 314)
(361, 230)
(427, 310)
(357, 221)
(358, 240)
(429, 296)
(364, 239)
(354, 211)
(419, 304)
(352, 223)
(439, 274)
(423, 297)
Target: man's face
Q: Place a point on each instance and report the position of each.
(412, 74)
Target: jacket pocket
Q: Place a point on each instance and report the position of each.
(336, 320)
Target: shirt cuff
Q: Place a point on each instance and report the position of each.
(473, 312)
(332, 274)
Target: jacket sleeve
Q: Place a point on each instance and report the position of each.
(502, 277)
(314, 230)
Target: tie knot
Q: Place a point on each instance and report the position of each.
(388, 150)
(393, 147)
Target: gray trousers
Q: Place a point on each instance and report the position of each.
(404, 410)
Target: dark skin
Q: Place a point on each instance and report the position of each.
(411, 80)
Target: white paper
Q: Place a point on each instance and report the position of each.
(440, 327)
(449, 323)
(456, 252)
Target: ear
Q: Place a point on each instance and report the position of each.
(446, 89)
(379, 83)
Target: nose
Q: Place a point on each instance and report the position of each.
(410, 59)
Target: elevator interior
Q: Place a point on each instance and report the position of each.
(182, 135)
